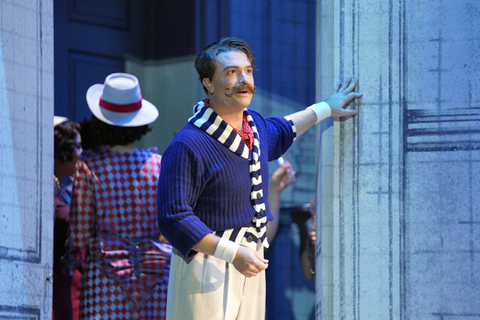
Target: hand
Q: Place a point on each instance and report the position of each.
(282, 177)
(248, 262)
(162, 239)
(341, 98)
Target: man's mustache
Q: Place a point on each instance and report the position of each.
(240, 87)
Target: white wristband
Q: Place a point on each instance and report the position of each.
(322, 110)
(226, 250)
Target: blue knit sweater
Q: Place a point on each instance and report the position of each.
(205, 187)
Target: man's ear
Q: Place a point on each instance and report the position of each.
(209, 85)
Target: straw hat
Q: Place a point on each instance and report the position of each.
(119, 102)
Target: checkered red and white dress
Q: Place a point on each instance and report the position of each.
(113, 214)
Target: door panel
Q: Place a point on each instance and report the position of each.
(91, 41)
(84, 70)
(108, 13)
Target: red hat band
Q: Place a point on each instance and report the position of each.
(132, 107)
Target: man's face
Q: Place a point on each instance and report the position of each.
(232, 83)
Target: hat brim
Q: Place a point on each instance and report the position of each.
(58, 119)
(147, 114)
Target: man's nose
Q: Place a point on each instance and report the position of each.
(242, 77)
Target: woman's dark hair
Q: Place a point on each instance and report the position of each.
(105, 134)
(205, 61)
(64, 140)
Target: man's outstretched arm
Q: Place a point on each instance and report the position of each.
(334, 106)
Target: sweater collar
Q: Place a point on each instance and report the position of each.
(210, 122)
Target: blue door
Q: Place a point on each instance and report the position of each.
(91, 39)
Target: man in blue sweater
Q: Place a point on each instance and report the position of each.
(213, 187)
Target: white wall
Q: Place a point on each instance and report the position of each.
(401, 222)
(26, 158)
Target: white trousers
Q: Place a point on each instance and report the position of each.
(208, 288)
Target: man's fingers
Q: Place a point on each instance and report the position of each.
(263, 260)
(338, 113)
(338, 86)
(347, 84)
(348, 112)
(350, 97)
(249, 262)
(351, 85)
(254, 270)
(345, 112)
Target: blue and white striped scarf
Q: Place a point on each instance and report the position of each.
(210, 122)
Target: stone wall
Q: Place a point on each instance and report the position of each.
(401, 226)
(26, 153)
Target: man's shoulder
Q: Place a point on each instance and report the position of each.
(189, 136)
(188, 133)
(258, 119)
(255, 114)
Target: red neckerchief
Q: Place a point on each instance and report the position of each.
(246, 134)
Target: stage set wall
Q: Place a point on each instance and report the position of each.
(26, 153)
(399, 183)
(27, 99)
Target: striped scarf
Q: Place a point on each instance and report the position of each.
(210, 122)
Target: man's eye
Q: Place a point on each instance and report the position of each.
(231, 71)
(249, 71)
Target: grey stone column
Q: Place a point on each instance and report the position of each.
(400, 182)
(26, 159)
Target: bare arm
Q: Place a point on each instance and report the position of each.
(303, 120)
(274, 203)
(281, 178)
(207, 245)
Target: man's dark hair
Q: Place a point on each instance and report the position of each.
(205, 61)
(64, 140)
(110, 135)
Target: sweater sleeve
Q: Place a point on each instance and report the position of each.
(179, 187)
(281, 133)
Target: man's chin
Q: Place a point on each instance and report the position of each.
(244, 104)
(244, 98)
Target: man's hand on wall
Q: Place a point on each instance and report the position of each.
(342, 97)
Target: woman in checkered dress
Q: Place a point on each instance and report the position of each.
(125, 274)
